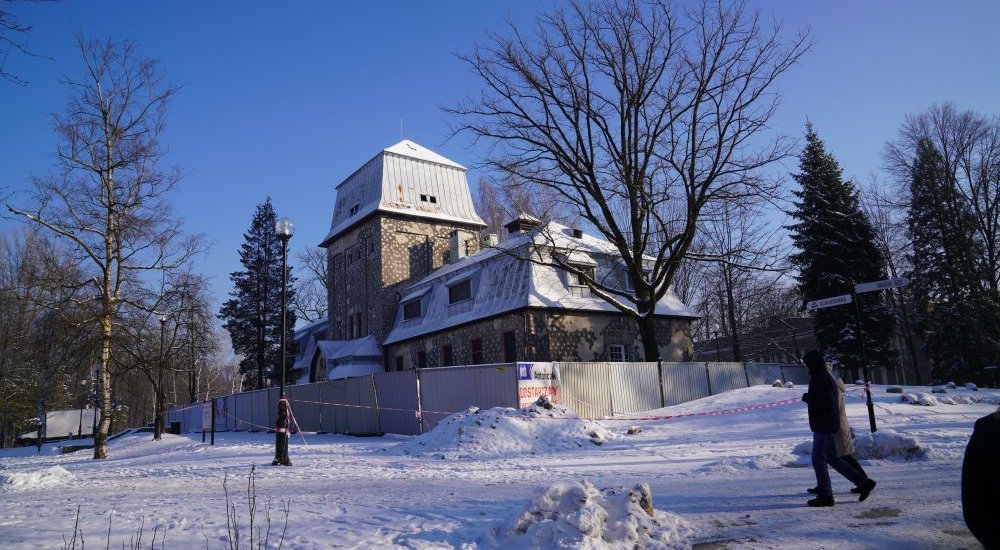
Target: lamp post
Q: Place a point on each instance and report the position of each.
(159, 422)
(283, 229)
(718, 352)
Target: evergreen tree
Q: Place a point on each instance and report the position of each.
(253, 313)
(957, 313)
(836, 250)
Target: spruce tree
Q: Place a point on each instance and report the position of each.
(957, 312)
(253, 313)
(836, 249)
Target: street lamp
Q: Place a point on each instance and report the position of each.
(283, 229)
(160, 420)
(718, 352)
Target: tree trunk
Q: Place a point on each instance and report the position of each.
(731, 314)
(104, 390)
(647, 331)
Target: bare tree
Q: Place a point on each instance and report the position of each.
(107, 200)
(969, 144)
(13, 36)
(745, 260)
(887, 213)
(638, 119)
(310, 300)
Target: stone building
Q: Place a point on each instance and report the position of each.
(411, 274)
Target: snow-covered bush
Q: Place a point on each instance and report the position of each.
(894, 389)
(951, 385)
(919, 398)
(938, 389)
(790, 385)
(777, 383)
(888, 444)
(579, 515)
(972, 387)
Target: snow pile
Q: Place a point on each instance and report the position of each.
(888, 444)
(955, 399)
(578, 515)
(499, 431)
(876, 446)
(48, 477)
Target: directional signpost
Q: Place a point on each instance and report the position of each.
(861, 288)
(829, 302)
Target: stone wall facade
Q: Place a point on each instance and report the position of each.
(371, 262)
(540, 335)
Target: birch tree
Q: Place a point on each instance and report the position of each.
(106, 200)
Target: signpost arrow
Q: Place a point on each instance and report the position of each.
(829, 302)
(881, 285)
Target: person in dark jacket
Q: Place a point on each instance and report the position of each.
(981, 481)
(824, 421)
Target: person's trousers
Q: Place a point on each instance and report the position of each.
(824, 453)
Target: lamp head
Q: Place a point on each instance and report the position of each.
(284, 228)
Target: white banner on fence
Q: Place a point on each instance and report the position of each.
(206, 416)
(535, 380)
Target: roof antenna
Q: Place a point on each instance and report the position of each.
(400, 128)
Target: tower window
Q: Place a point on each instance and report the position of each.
(353, 210)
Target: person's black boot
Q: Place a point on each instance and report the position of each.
(812, 490)
(866, 489)
(821, 500)
(855, 490)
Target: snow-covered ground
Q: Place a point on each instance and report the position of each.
(721, 472)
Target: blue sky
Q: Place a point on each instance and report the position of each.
(288, 98)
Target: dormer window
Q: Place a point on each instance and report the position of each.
(428, 198)
(580, 279)
(460, 292)
(353, 210)
(411, 309)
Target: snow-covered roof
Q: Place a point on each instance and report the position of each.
(366, 346)
(65, 422)
(503, 280)
(404, 179)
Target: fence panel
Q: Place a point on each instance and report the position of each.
(396, 393)
(242, 415)
(796, 374)
(683, 382)
(634, 387)
(726, 377)
(304, 401)
(763, 373)
(584, 388)
(447, 390)
(259, 410)
(362, 417)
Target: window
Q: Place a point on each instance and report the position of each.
(399, 362)
(476, 351)
(447, 356)
(509, 347)
(353, 210)
(421, 359)
(428, 198)
(460, 292)
(616, 352)
(411, 309)
(578, 279)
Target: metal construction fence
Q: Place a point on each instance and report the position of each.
(412, 402)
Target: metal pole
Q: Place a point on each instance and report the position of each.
(213, 421)
(281, 430)
(159, 421)
(718, 352)
(864, 364)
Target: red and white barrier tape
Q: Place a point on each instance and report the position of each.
(710, 413)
